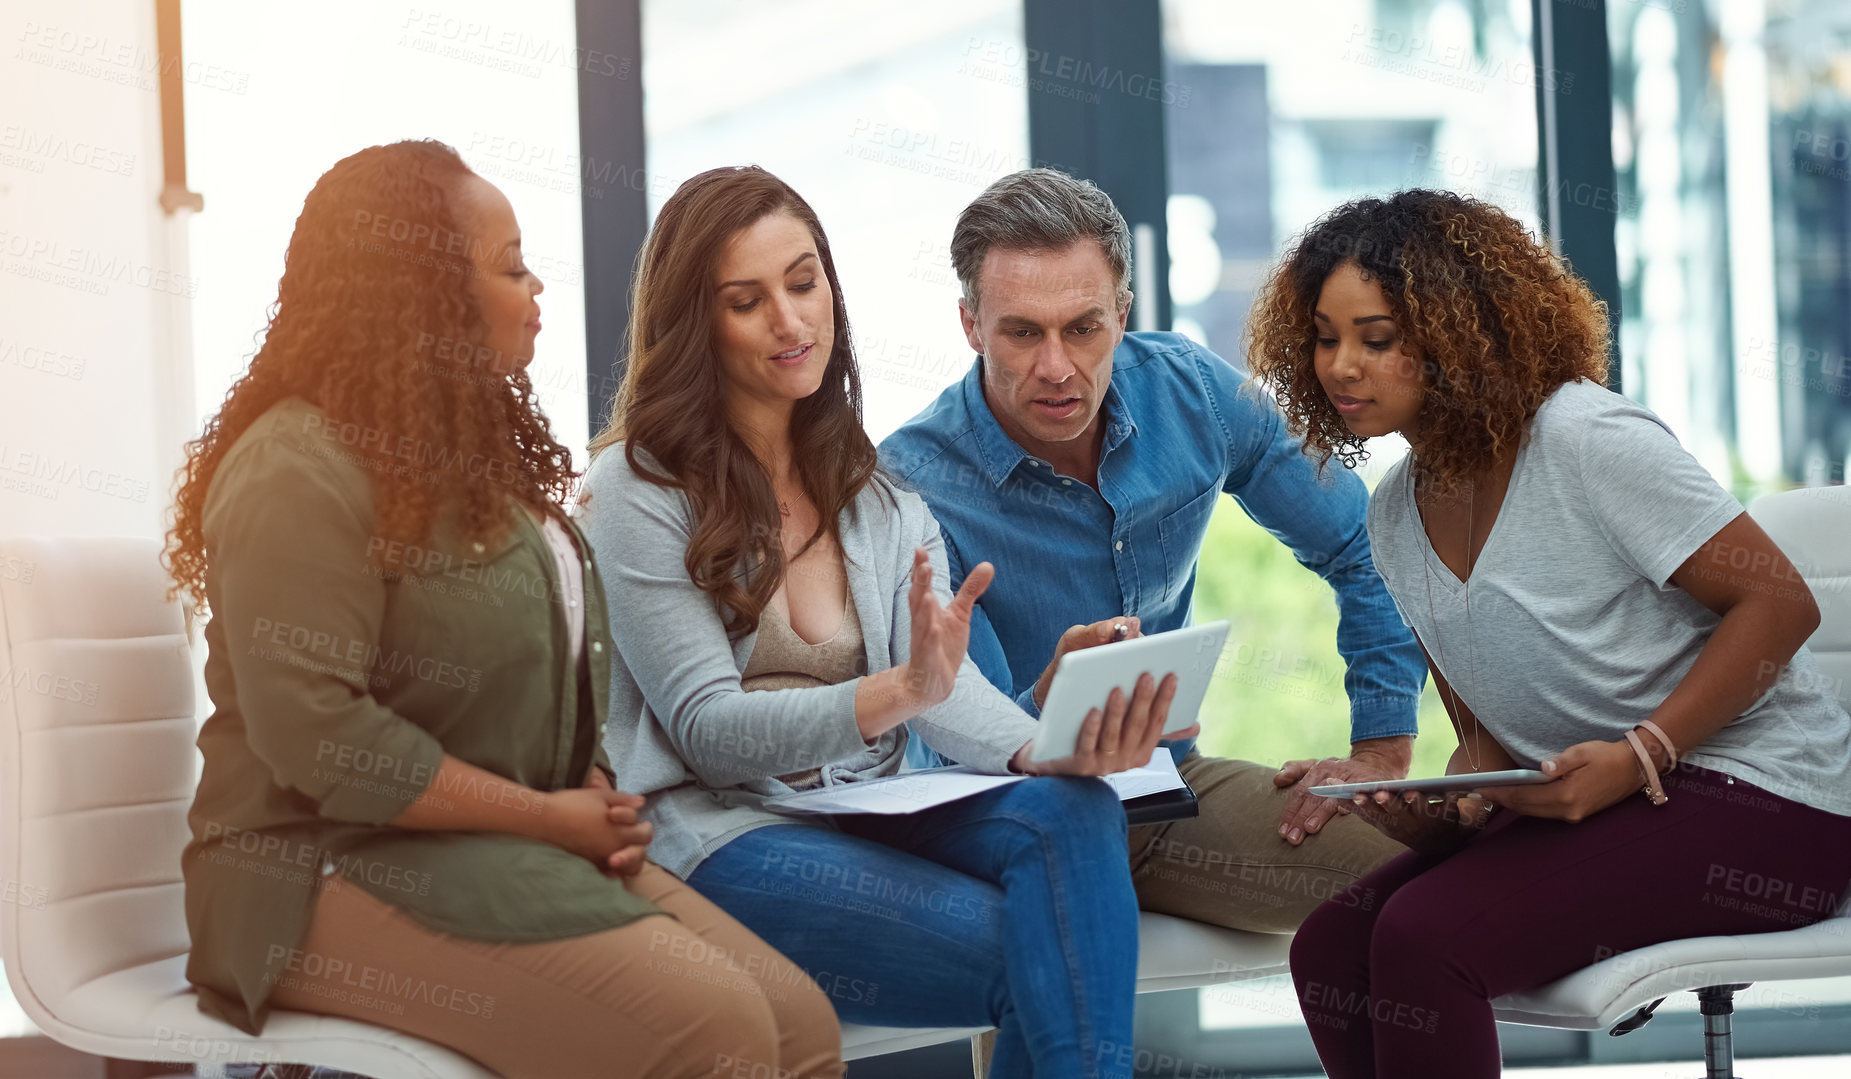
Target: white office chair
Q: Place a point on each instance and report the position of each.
(97, 770)
(1173, 953)
(1813, 527)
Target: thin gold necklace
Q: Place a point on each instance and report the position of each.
(1472, 755)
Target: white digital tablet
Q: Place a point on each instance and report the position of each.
(1464, 781)
(1085, 678)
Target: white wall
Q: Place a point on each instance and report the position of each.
(314, 83)
(102, 380)
(93, 276)
(113, 345)
(93, 282)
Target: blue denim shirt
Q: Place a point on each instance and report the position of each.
(1181, 427)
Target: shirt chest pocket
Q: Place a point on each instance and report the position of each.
(1181, 536)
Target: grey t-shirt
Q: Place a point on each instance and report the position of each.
(1567, 630)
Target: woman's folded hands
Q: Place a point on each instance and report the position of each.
(598, 823)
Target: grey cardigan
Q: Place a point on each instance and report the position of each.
(685, 735)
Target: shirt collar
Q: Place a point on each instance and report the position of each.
(1119, 422)
(999, 454)
(996, 451)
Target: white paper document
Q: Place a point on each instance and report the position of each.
(1153, 778)
(910, 792)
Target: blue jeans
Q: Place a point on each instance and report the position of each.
(1012, 908)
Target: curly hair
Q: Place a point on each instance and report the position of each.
(668, 402)
(372, 318)
(1494, 321)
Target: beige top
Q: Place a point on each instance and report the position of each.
(783, 660)
(571, 584)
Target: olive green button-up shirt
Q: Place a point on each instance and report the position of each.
(338, 686)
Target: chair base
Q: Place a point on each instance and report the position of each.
(1717, 1003)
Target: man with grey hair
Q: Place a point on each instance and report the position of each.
(1084, 462)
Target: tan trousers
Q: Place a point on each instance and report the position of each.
(1230, 867)
(693, 995)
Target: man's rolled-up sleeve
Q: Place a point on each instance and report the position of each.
(1319, 514)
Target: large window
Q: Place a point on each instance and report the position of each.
(886, 118)
(1732, 141)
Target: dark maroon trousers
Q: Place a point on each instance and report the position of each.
(1395, 976)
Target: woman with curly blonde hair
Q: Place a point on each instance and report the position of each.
(1592, 605)
(406, 815)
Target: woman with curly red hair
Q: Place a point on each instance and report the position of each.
(406, 815)
(1591, 603)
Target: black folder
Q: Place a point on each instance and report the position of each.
(1177, 804)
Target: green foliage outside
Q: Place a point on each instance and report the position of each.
(1279, 694)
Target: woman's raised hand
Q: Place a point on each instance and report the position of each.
(941, 634)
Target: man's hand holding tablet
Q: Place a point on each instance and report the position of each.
(1305, 813)
(1409, 811)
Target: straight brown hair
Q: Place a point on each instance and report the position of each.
(668, 404)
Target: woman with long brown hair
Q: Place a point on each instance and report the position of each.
(782, 622)
(406, 816)
(1592, 604)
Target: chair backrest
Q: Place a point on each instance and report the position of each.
(1812, 526)
(97, 764)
